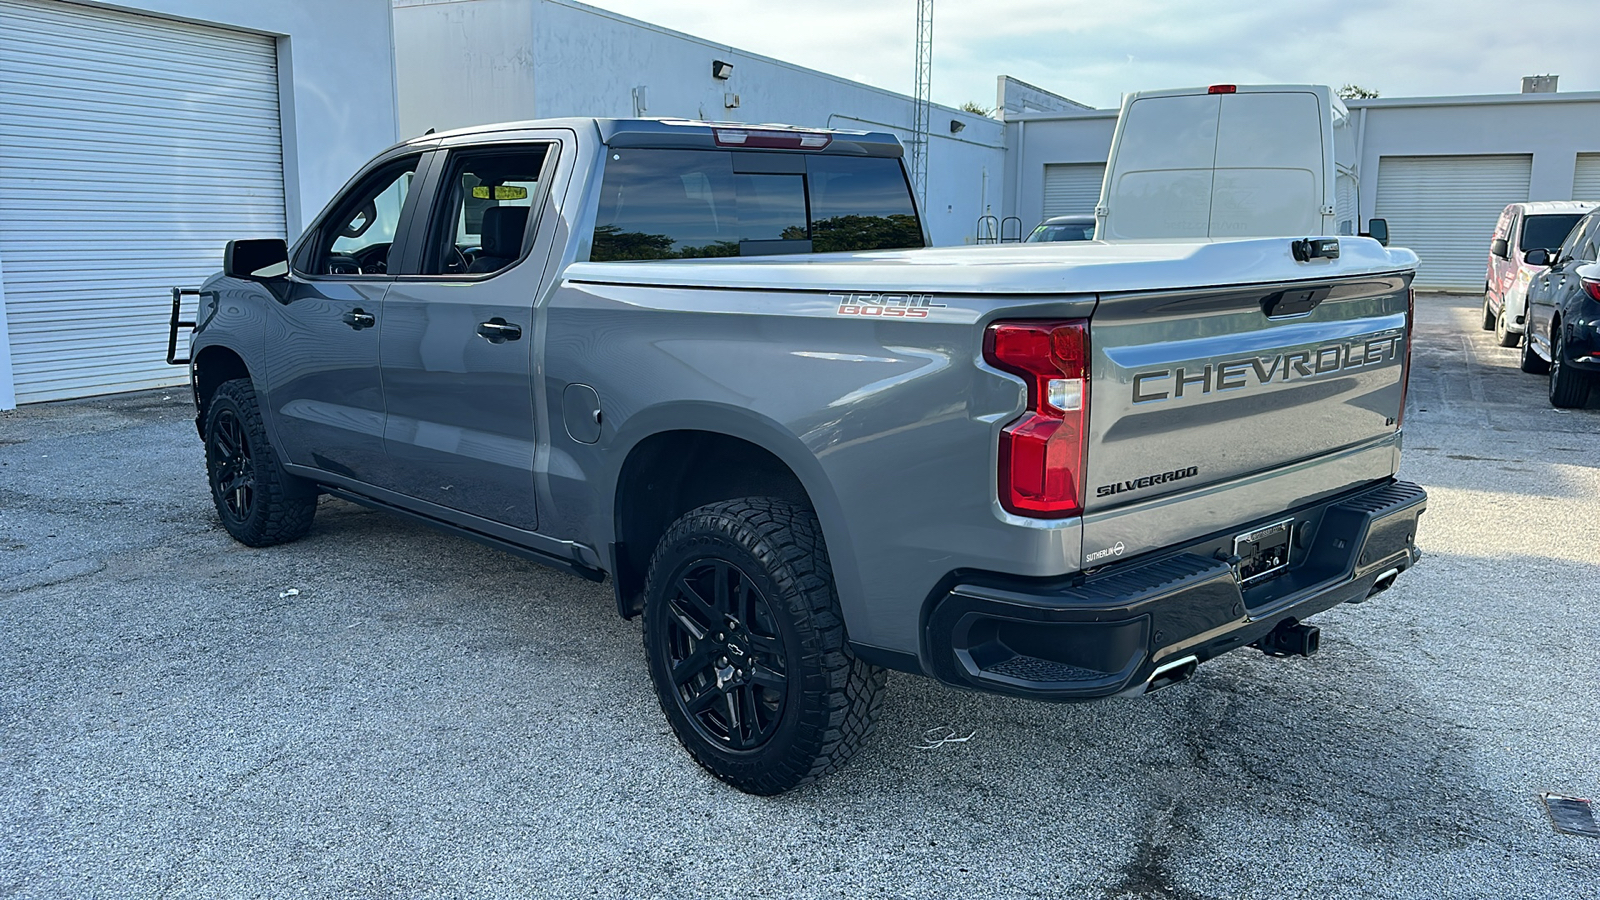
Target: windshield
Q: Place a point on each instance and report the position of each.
(1547, 232)
(1062, 233)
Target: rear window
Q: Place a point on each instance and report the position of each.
(686, 204)
(1547, 232)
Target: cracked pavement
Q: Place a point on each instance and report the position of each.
(431, 718)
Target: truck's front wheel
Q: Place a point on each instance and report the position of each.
(259, 503)
(747, 650)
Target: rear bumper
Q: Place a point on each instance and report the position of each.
(1129, 627)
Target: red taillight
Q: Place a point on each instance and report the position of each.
(1591, 287)
(1405, 374)
(1042, 452)
(1223, 89)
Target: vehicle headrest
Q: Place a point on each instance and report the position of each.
(503, 227)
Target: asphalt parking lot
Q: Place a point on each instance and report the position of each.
(383, 711)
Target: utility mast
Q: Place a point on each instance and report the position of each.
(921, 110)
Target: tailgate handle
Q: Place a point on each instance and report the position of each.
(1285, 304)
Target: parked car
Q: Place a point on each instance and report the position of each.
(1563, 328)
(616, 347)
(1063, 228)
(1540, 225)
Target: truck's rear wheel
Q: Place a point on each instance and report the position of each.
(258, 502)
(1568, 389)
(746, 646)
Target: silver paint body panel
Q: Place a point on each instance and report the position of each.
(890, 423)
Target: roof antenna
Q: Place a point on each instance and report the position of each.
(428, 132)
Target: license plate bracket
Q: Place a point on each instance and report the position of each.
(1262, 553)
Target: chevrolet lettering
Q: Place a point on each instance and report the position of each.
(1162, 384)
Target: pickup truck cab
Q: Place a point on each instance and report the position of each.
(717, 366)
(1230, 161)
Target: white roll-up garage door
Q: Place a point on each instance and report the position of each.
(1072, 188)
(131, 149)
(1586, 179)
(1445, 207)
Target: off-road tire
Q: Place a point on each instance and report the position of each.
(1568, 389)
(258, 502)
(1503, 335)
(1527, 360)
(1488, 314)
(829, 698)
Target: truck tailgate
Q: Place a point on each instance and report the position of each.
(1199, 388)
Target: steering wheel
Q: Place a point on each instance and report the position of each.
(373, 260)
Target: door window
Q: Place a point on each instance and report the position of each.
(355, 239)
(1569, 247)
(485, 210)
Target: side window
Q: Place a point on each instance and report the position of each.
(1569, 247)
(355, 238)
(666, 204)
(481, 220)
(1587, 254)
(861, 203)
(683, 204)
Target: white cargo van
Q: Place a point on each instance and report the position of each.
(1232, 161)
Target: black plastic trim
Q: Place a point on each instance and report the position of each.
(1083, 637)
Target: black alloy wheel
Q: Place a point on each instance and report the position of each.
(747, 648)
(259, 503)
(233, 472)
(728, 670)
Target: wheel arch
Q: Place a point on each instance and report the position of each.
(213, 366)
(674, 459)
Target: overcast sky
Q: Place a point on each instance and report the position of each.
(1095, 50)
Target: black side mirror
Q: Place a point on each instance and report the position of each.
(1538, 256)
(1378, 230)
(263, 259)
(1500, 248)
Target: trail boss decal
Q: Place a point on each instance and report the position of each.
(888, 306)
(1174, 384)
(1106, 490)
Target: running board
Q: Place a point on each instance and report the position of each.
(570, 566)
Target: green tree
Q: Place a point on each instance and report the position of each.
(1356, 92)
(976, 108)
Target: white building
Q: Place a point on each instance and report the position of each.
(470, 62)
(136, 139)
(1439, 169)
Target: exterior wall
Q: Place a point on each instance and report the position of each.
(1555, 128)
(1039, 141)
(480, 61)
(336, 96)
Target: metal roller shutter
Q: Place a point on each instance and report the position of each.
(1072, 189)
(1586, 179)
(131, 149)
(1445, 207)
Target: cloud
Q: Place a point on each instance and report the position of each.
(1094, 51)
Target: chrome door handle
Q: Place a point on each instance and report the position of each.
(359, 319)
(498, 331)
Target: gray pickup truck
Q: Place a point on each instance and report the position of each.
(719, 365)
